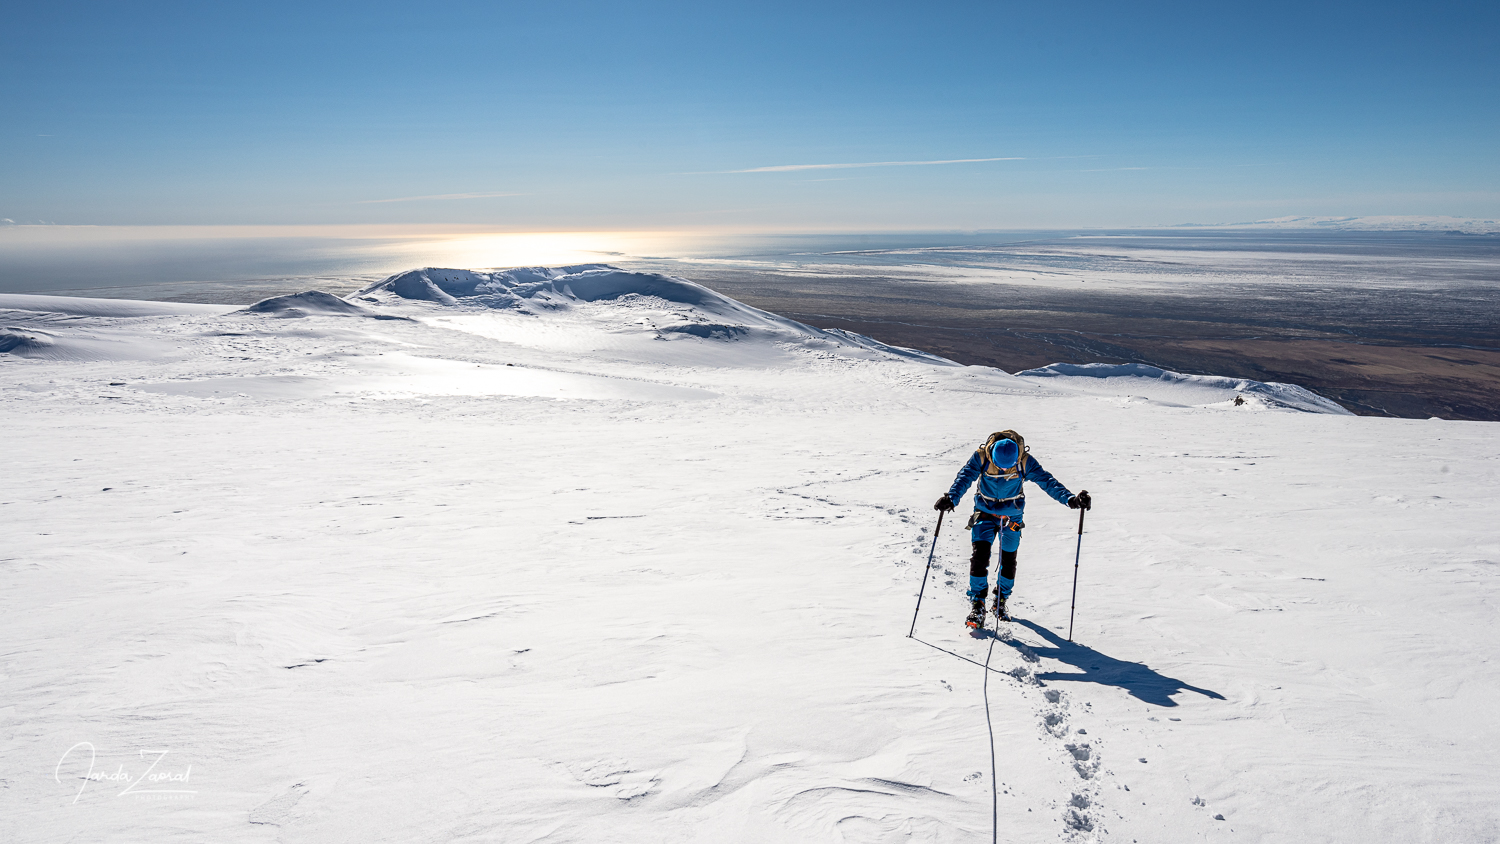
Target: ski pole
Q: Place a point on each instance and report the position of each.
(925, 572)
(1076, 554)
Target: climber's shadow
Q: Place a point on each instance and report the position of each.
(1141, 682)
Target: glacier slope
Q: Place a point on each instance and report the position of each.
(389, 601)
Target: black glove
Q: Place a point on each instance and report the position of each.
(944, 504)
(1081, 501)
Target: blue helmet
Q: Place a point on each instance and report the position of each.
(1005, 453)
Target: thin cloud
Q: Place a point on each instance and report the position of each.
(787, 168)
(439, 196)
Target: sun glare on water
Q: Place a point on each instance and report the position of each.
(479, 251)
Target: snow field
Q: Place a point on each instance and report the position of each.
(376, 613)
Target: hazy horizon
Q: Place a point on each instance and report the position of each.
(155, 262)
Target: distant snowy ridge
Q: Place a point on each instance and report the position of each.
(85, 307)
(1167, 387)
(678, 307)
(580, 310)
(1463, 225)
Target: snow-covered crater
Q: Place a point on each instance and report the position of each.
(665, 306)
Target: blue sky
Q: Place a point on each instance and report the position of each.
(666, 115)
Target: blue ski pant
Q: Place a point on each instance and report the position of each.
(984, 533)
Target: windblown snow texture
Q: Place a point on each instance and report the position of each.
(577, 555)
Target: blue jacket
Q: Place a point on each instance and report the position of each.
(1000, 496)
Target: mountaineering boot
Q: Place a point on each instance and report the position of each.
(976, 616)
(1000, 612)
